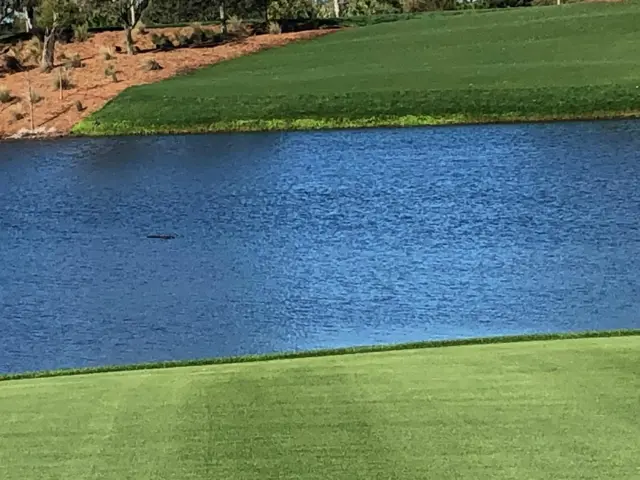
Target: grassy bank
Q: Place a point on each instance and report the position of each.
(536, 410)
(514, 65)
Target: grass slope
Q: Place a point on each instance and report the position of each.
(574, 61)
(537, 410)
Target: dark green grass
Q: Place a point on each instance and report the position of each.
(535, 410)
(575, 61)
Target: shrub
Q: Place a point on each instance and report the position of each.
(150, 65)
(110, 71)
(237, 27)
(34, 49)
(79, 106)
(412, 6)
(107, 53)
(161, 41)
(74, 62)
(62, 81)
(289, 9)
(34, 97)
(141, 29)
(62, 57)
(81, 32)
(274, 28)
(5, 95)
(182, 39)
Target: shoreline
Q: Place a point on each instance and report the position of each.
(88, 129)
(289, 355)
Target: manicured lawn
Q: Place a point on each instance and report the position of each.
(528, 63)
(564, 409)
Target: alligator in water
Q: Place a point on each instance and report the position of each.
(161, 236)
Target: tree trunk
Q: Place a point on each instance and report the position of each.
(336, 8)
(128, 40)
(28, 18)
(223, 18)
(133, 15)
(48, 50)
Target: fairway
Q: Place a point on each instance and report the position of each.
(535, 410)
(574, 61)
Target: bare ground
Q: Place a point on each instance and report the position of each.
(93, 88)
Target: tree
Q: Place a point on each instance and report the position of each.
(130, 12)
(52, 16)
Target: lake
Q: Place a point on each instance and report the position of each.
(300, 240)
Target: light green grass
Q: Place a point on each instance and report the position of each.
(574, 61)
(564, 409)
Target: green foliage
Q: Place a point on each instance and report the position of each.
(161, 41)
(288, 9)
(237, 27)
(110, 71)
(5, 95)
(81, 32)
(73, 62)
(61, 80)
(61, 13)
(274, 28)
(410, 6)
(34, 97)
(371, 7)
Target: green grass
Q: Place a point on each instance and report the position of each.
(534, 410)
(575, 61)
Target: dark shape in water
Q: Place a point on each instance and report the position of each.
(162, 237)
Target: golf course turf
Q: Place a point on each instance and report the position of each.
(568, 62)
(520, 410)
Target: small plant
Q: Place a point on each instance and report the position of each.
(5, 95)
(107, 53)
(161, 41)
(275, 28)
(62, 57)
(181, 39)
(81, 32)
(61, 81)
(74, 62)
(79, 106)
(34, 49)
(34, 97)
(141, 29)
(110, 71)
(151, 65)
(237, 27)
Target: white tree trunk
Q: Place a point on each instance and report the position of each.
(48, 50)
(336, 7)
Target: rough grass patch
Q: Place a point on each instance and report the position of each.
(33, 49)
(17, 114)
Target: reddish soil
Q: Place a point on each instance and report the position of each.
(93, 89)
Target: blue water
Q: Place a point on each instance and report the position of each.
(291, 241)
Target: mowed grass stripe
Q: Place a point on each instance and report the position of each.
(536, 410)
